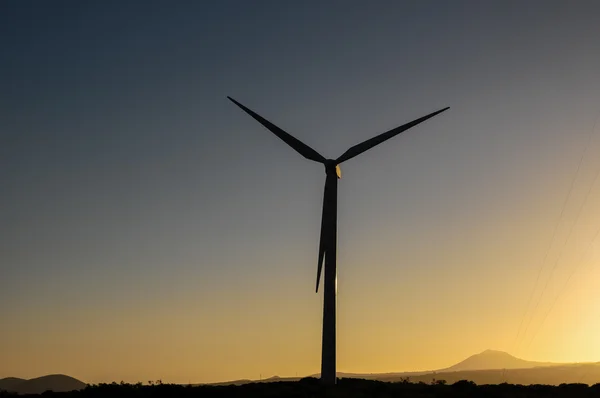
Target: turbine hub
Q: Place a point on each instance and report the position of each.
(331, 166)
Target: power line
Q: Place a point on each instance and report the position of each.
(566, 284)
(564, 205)
(579, 263)
(544, 261)
(572, 225)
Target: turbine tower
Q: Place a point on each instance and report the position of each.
(328, 239)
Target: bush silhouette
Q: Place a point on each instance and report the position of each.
(312, 387)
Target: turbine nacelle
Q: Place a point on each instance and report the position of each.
(332, 166)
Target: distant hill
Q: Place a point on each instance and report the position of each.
(496, 367)
(491, 359)
(247, 381)
(375, 376)
(488, 359)
(487, 367)
(56, 383)
(587, 373)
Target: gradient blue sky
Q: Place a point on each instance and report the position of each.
(150, 229)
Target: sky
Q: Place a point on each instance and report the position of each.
(150, 229)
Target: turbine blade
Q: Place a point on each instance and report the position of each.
(370, 143)
(322, 240)
(320, 265)
(298, 145)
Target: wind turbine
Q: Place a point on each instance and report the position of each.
(328, 240)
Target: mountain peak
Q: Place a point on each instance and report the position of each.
(493, 359)
(495, 352)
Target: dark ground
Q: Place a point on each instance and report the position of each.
(311, 387)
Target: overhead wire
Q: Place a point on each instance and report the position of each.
(579, 212)
(555, 229)
(566, 283)
(542, 264)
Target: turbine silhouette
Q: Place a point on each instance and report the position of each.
(328, 239)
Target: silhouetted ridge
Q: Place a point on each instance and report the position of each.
(493, 359)
(56, 383)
